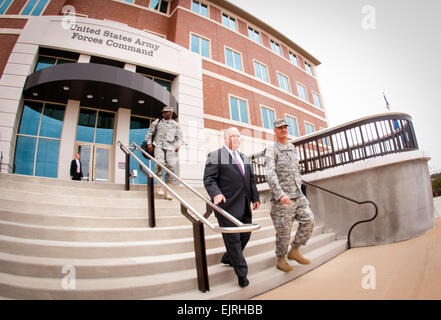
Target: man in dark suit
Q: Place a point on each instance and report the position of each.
(75, 168)
(229, 181)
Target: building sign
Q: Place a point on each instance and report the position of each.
(113, 39)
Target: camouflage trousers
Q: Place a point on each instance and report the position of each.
(169, 158)
(283, 217)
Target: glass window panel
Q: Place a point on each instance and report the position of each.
(271, 118)
(225, 20)
(264, 74)
(195, 6)
(243, 111)
(104, 127)
(251, 34)
(164, 83)
(195, 43)
(102, 164)
(24, 155)
(30, 118)
(229, 57)
(164, 7)
(46, 164)
(257, 70)
(316, 100)
(39, 7)
(31, 4)
(62, 61)
(204, 10)
(4, 5)
(234, 109)
(138, 130)
(44, 62)
(265, 118)
(237, 63)
(205, 49)
(86, 125)
(52, 121)
(154, 4)
(233, 24)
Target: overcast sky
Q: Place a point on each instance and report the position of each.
(398, 51)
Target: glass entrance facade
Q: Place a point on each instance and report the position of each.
(38, 139)
(139, 126)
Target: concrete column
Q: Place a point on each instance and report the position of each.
(68, 134)
(122, 129)
(84, 58)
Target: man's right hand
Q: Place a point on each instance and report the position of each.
(150, 148)
(285, 200)
(219, 198)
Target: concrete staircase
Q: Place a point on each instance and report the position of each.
(53, 232)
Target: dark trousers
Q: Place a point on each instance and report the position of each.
(235, 243)
(76, 176)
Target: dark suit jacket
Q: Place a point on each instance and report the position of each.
(73, 170)
(222, 176)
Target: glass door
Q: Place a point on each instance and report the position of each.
(95, 162)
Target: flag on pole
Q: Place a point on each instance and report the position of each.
(387, 103)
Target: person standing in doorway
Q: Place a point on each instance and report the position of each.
(75, 168)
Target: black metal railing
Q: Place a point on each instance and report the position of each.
(358, 140)
(198, 220)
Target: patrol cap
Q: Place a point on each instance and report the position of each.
(280, 123)
(167, 108)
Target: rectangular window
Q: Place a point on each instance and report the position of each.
(4, 5)
(260, 71)
(48, 61)
(302, 92)
(275, 47)
(233, 59)
(267, 118)
(38, 139)
(159, 5)
(254, 35)
(239, 110)
(229, 22)
(292, 126)
(200, 46)
(199, 8)
(139, 127)
(34, 7)
(316, 98)
(293, 59)
(283, 82)
(308, 68)
(309, 128)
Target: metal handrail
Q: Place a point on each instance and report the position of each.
(349, 199)
(240, 227)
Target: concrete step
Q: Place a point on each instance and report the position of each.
(169, 285)
(136, 266)
(264, 280)
(58, 233)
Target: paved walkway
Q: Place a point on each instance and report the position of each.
(404, 270)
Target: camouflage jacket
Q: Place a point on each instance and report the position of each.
(282, 171)
(168, 134)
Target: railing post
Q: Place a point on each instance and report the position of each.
(201, 256)
(127, 171)
(151, 201)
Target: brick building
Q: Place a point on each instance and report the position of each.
(83, 75)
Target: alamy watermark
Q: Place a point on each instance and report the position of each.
(368, 282)
(369, 19)
(69, 281)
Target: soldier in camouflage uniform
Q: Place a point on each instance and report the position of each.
(167, 141)
(287, 202)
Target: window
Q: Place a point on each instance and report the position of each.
(38, 139)
(254, 35)
(4, 4)
(261, 71)
(309, 128)
(275, 47)
(302, 92)
(129, 1)
(166, 84)
(229, 22)
(293, 59)
(283, 82)
(316, 98)
(139, 127)
(95, 126)
(308, 68)
(34, 7)
(200, 46)
(238, 110)
(48, 61)
(159, 5)
(199, 8)
(267, 118)
(233, 59)
(292, 126)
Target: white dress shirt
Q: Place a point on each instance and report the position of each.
(235, 155)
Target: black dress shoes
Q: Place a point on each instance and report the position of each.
(225, 261)
(243, 281)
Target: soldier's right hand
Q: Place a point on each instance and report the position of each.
(150, 148)
(285, 200)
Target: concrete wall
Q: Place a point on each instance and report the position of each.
(400, 186)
